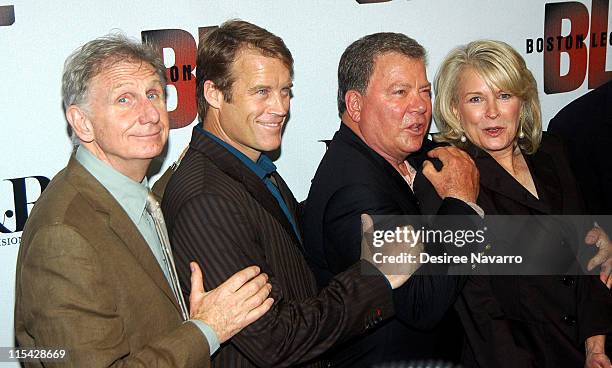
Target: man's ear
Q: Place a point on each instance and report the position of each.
(352, 100)
(212, 94)
(80, 123)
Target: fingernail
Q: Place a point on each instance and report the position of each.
(192, 267)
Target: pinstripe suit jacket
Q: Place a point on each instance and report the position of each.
(220, 214)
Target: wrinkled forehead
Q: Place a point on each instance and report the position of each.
(115, 64)
(250, 62)
(394, 67)
(114, 73)
(398, 57)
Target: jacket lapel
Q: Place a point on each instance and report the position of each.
(119, 222)
(234, 168)
(289, 199)
(548, 185)
(429, 201)
(390, 177)
(496, 179)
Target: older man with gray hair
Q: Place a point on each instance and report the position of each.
(384, 104)
(95, 273)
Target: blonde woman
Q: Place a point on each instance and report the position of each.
(487, 103)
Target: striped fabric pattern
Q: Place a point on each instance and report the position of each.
(221, 215)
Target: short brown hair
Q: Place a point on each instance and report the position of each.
(219, 49)
(358, 60)
(499, 65)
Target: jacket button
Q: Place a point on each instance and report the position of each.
(568, 281)
(569, 320)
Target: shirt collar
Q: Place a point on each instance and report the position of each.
(131, 195)
(262, 168)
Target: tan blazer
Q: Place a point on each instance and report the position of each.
(88, 282)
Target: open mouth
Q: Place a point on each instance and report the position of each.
(416, 128)
(494, 131)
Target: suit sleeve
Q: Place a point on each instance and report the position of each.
(594, 308)
(213, 231)
(423, 300)
(73, 308)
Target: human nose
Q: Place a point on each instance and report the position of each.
(279, 104)
(149, 112)
(418, 104)
(492, 110)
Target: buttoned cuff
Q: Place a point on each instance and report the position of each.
(209, 333)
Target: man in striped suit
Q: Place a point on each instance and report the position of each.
(227, 207)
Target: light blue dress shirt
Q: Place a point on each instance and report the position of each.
(132, 197)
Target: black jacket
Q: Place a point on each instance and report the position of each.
(532, 321)
(353, 179)
(586, 128)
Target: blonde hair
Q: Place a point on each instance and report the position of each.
(500, 66)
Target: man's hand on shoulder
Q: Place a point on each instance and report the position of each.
(233, 305)
(459, 177)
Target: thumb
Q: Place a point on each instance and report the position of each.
(367, 231)
(597, 260)
(429, 170)
(367, 224)
(197, 279)
(197, 289)
(592, 236)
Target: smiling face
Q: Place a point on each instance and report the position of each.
(396, 108)
(126, 111)
(489, 116)
(252, 121)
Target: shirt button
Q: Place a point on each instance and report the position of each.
(568, 281)
(569, 320)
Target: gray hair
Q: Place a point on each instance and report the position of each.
(92, 58)
(357, 62)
